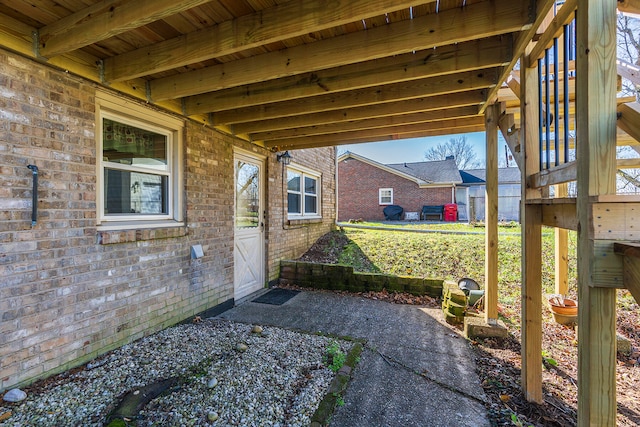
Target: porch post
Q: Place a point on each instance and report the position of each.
(596, 161)
(531, 294)
(561, 251)
(492, 115)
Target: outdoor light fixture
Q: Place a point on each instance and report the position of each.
(284, 158)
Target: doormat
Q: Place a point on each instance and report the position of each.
(276, 296)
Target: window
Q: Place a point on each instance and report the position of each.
(385, 196)
(303, 193)
(139, 160)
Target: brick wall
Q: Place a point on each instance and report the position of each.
(289, 240)
(69, 291)
(359, 183)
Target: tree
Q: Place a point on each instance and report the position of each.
(458, 147)
(628, 48)
(629, 51)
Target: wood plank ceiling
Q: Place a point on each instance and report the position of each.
(289, 74)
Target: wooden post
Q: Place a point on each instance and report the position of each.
(531, 239)
(492, 115)
(561, 251)
(561, 190)
(596, 160)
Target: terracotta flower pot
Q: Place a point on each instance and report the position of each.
(564, 310)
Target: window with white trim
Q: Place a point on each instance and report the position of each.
(303, 193)
(138, 166)
(385, 196)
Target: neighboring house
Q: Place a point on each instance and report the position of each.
(366, 187)
(472, 193)
(144, 218)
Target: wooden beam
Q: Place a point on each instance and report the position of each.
(18, 37)
(596, 175)
(332, 140)
(531, 330)
(629, 119)
(105, 19)
(628, 163)
(532, 303)
(513, 83)
(616, 220)
(629, 71)
(492, 115)
(607, 268)
(629, 6)
(563, 17)
(560, 215)
(345, 115)
(457, 58)
(557, 175)
(375, 123)
(372, 95)
(346, 137)
(561, 248)
(511, 134)
(474, 21)
(277, 23)
(542, 9)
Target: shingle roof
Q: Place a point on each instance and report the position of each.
(479, 176)
(437, 172)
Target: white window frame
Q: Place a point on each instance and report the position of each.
(127, 112)
(381, 194)
(305, 173)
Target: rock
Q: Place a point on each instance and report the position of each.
(257, 329)
(212, 416)
(212, 383)
(242, 347)
(623, 345)
(15, 395)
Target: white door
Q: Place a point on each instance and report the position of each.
(248, 249)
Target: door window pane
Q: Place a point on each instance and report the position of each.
(247, 195)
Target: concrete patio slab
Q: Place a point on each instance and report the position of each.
(414, 371)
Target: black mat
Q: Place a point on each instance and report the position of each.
(276, 296)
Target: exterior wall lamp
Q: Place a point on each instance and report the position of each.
(284, 158)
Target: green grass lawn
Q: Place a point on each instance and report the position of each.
(443, 255)
(451, 256)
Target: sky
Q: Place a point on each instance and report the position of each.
(413, 150)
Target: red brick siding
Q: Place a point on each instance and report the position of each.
(358, 185)
(69, 292)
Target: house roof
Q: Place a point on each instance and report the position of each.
(479, 176)
(441, 171)
(436, 173)
(290, 74)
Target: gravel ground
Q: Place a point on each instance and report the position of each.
(277, 380)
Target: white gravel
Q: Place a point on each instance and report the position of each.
(278, 381)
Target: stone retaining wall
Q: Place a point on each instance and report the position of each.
(341, 277)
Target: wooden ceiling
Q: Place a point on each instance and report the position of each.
(289, 74)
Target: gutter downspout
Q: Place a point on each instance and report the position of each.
(34, 195)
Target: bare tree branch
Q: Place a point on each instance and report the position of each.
(458, 147)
